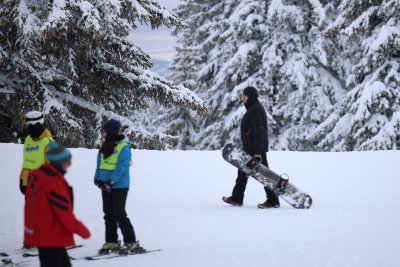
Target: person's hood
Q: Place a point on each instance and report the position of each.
(252, 93)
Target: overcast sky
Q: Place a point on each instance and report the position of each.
(159, 44)
(169, 3)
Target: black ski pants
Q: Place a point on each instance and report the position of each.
(54, 257)
(115, 216)
(241, 182)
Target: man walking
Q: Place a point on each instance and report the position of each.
(254, 137)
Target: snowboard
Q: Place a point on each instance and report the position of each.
(293, 195)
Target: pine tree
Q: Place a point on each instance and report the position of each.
(178, 122)
(221, 35)
(295, 76)
(368, 117)
(327, 71)
(275, 46)
(71, 59)
(183, 68)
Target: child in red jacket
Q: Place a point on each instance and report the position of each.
(49, 220)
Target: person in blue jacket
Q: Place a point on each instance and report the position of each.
(112, 177)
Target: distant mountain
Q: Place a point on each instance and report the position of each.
(160, 67)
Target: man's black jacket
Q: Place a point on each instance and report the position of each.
(253, 129)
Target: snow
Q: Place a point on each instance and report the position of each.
(361, 22)
(26, 20)
(382, 39)
(90, 15)
(234, 118)
(139, 8)
(286, 12)
(57, 15)
(319, 10)
(175, 205)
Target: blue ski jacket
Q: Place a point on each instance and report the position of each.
(120, 176)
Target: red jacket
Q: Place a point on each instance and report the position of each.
(49, 220)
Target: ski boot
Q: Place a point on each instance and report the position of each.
(267, 205)
(28, 248)
(131, 248)
(231, 201)
(109, 247)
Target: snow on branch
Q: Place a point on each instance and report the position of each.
(90, 15)
(26, 20)
(58, 16)
(56, 99)
(385, 36)
(151, 11)
(149, 81)
(361, 23)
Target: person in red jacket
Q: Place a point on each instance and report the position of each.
(49, 220)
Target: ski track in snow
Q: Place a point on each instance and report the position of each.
(175, 204)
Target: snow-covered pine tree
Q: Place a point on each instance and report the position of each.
(183, 123)
(189, 57)
(183, 67)
(368, 117)
(276, 46)
(71, 59)
(301, 88)
(221, 36)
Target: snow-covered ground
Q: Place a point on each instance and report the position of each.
(175, 205)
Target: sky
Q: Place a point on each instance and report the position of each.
(159, 44)
(169, 3)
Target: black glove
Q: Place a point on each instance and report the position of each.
(106, 186)
(99, 183)
(253, 162)
(22, 187)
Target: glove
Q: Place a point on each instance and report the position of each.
(258, 156)
(108, 186)
(99, 183)
(22, 188)
(253, 162)
(83, 231)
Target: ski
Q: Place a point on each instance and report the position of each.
(3, 254)
(113, 255)
(10, 263)
(27, 254)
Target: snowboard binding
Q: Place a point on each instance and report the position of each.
(282, 184)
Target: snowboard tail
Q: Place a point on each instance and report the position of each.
(241, 160)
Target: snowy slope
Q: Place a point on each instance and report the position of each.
(174, 204)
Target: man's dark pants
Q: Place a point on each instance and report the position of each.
(241, 182)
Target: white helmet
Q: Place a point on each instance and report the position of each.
(33, 117)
